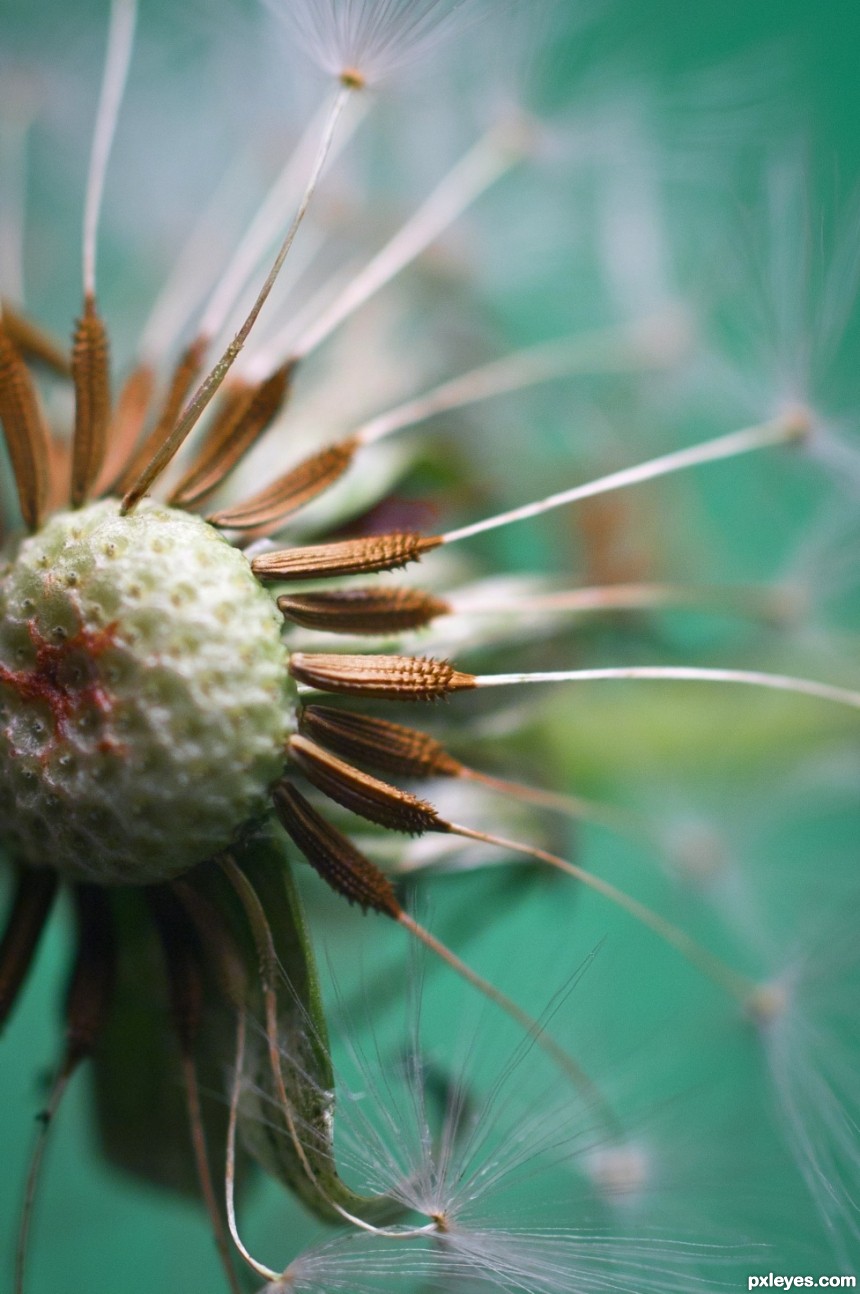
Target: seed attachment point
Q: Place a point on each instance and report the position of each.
(352, 79)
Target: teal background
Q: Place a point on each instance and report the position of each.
(658, 1038)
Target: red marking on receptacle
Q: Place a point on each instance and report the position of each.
(65, 678)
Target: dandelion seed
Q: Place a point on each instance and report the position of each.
(814, 1079)
(483, 1155)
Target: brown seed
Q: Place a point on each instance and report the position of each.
(126, 424)
(289, 492)
(348, 557)
(367, 796)
(364, 611)
(26, 434)
(396, 678)
(239, 422)
(91, 376)
(377, 742)
(34, 343)
(335, 858)
(59, 473)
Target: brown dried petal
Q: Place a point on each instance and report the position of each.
(59, 473)
(93, 974)
(91, 376)
(364, 611)
(182, 962)
(335, 858)
(377, 742)
(26, 434)
(129, 415)
(396, 678)
(29, 912)
(348, 557)
(34, 343)
(367, 796)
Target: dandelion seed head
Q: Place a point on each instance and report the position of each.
(800, 270)
(128, 702)
(361, 41)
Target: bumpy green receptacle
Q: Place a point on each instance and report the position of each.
(144, 695)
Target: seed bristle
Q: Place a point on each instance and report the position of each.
(289, 492)
(367, 796)
(395, 678)
(346, 557)
(238, 425)
(333, 856)
(388, 746)
(26, 433)
(364, 611)
(91, 377)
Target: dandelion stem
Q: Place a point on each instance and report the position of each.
(737, 986)
(682, 673)
(608, 350)
(216, 376)
(230, 1164)
(780, 431)
(489, 159)
(119, 46)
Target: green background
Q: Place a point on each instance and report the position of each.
(661, 1041)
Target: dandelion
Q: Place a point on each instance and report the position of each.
(170, 717)
(491, 1178)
